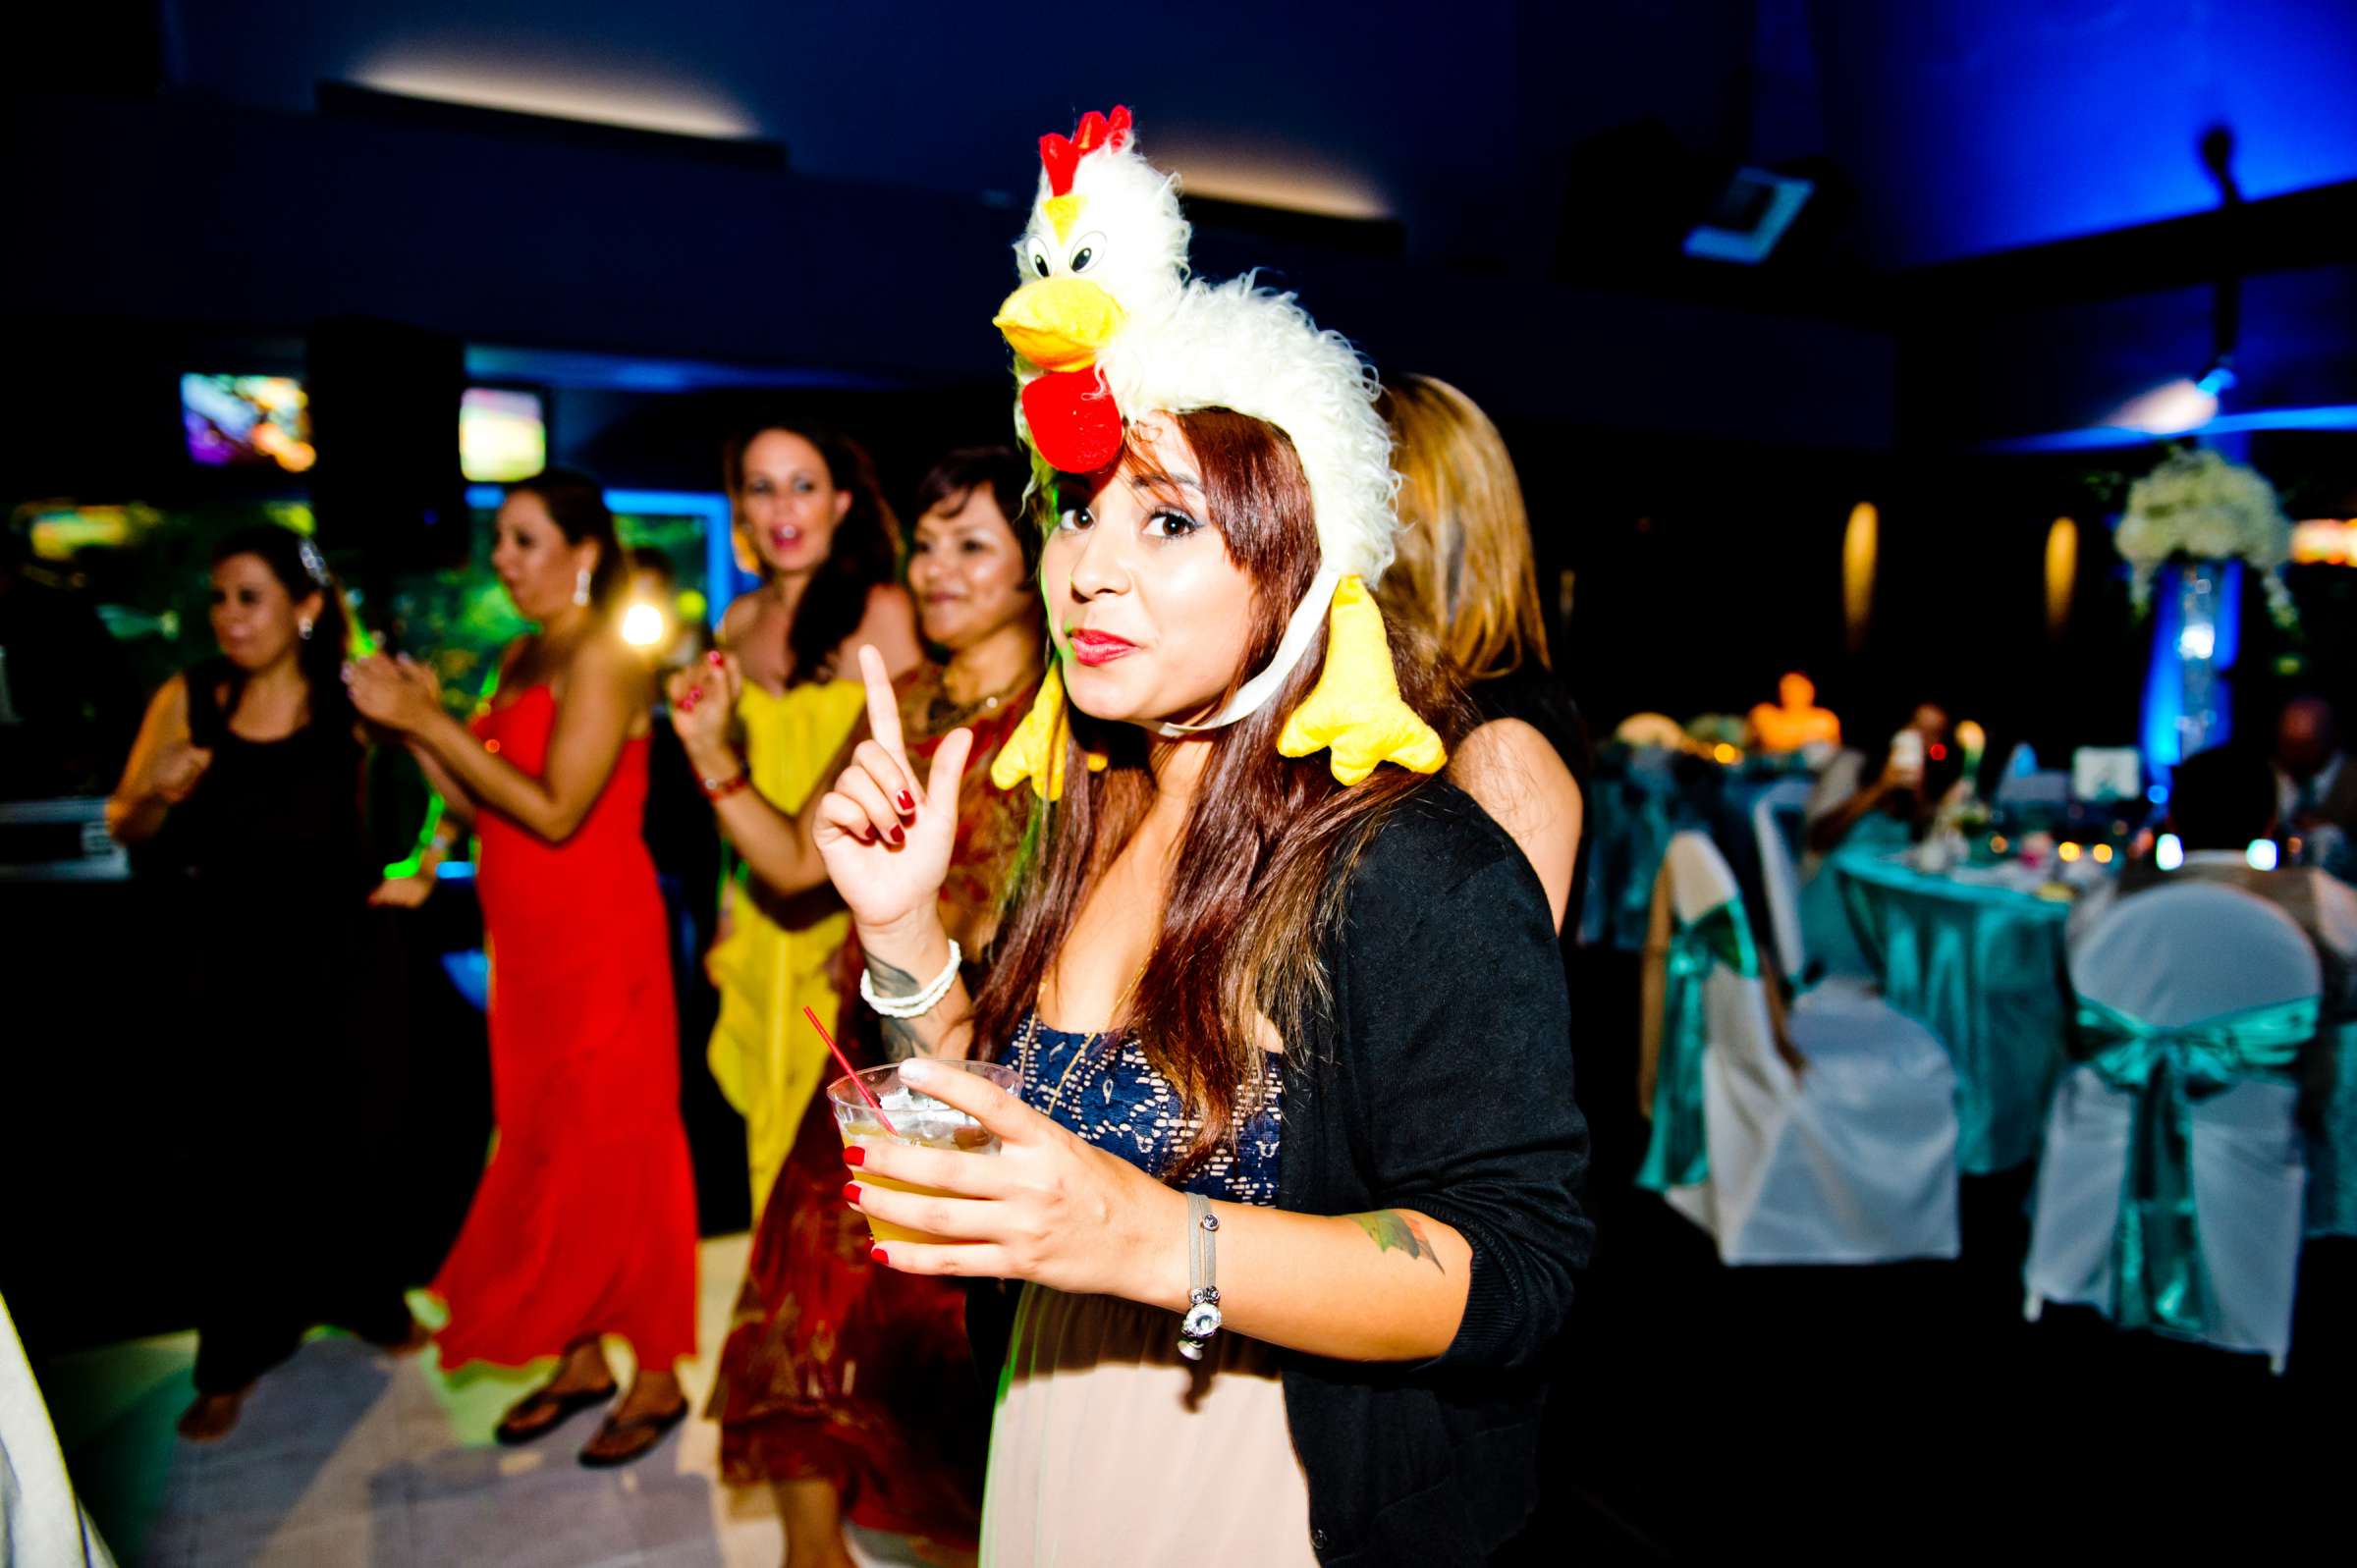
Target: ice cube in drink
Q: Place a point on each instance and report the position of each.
(917, 1119)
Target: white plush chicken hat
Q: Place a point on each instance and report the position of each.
(1107, 326)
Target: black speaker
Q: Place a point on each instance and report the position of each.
(384, 403)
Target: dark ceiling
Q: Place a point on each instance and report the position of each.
(1943, 129)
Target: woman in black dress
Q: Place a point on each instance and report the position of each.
(245, 783)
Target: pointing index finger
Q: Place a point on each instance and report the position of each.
(883, 706)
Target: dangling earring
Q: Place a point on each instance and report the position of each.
(581, 586)
(302, 628)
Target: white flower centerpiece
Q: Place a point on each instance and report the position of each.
(2199, 505)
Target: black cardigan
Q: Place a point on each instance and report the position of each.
(1444, 1086)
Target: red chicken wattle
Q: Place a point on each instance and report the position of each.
(1075, 422)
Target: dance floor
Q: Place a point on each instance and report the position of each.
(347, 1455)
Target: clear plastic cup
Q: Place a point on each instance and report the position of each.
(916, 1118)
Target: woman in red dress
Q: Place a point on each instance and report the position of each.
(585, 1224)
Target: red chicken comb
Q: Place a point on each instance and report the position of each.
(1060, 155)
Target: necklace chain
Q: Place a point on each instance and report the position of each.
(948, 708)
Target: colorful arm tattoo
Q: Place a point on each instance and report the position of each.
(1392, 1231)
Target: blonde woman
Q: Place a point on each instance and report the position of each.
(1464, 575)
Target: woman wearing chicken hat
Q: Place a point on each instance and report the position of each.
(1292, 1179)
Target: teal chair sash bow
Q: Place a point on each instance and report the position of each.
(1680, 1155)
(1629, 828)
(2158, 1277)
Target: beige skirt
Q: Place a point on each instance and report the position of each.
(1110, 1448)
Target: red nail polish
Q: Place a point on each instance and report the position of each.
(897, 834)
(908, 801)
(853, 1155)
(713, 658)
(876, 1255)
(850, 1192)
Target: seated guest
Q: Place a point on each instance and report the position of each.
(2219, 802)
(2315, 796)
(1891, 801)
(1861, 803)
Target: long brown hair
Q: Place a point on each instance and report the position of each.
(1465, 570)
(1257, 877)
(864, 555)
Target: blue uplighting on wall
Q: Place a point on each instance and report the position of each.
(1987, 125)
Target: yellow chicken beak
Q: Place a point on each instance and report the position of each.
(1059, 323)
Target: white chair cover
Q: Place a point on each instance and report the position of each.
(1834, 989)
(2172, 956)
(1853, 1160)
(42, 1524)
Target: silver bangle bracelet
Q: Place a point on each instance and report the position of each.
(1202, 1318)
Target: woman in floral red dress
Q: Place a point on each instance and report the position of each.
(847, 1387)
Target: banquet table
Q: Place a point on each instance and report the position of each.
(1976, 955)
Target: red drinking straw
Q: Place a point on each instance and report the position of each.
(858, 1082)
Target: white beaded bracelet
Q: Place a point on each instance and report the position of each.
(924, 1002)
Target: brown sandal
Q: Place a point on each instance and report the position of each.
(513, 1433)
(646, 1430)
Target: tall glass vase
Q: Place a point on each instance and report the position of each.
(2188, 700)
(2204, 643)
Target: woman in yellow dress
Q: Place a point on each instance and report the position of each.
(809, 512)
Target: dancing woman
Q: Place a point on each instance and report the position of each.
(247, 778)
(811, 514)
(585, 1224)
(1292, 1178)
(800, 1399)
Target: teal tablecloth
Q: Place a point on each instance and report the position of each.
(1982, 967)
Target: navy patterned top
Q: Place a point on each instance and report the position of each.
(1113, 1098)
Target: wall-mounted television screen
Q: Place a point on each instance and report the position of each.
(503, 435)
(246, 420)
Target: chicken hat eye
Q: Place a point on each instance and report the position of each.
(1084, 254)
(1039, 262)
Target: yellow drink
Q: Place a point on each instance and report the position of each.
(868, 1137)
(923, 1122)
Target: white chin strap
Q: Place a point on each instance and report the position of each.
(1299, 633)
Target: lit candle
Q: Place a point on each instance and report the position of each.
(1975, 740)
